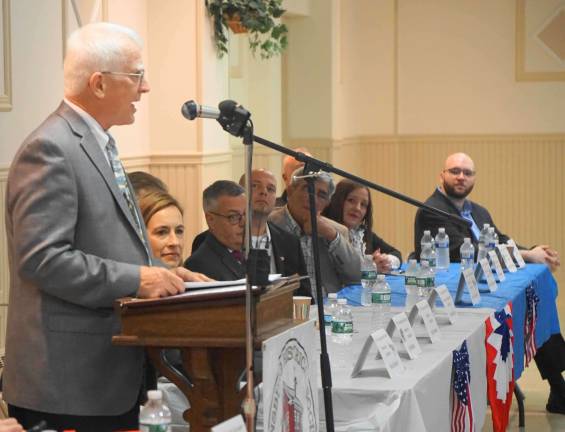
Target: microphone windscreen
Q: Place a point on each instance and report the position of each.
(189, 110)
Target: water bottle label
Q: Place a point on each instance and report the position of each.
(342, 327)
(431, 262)
(369, 274)
(155, 427)
(327, 320)
(380, 298)
(426, 282)
(410, 280)
(442, 246)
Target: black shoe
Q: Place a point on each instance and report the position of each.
(555, 403)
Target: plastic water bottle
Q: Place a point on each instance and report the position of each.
(425, 280)
(493, 239)
(381, 300)
(428, 255)
(483, 242)
(467, 252)
(442, 250)
(368, 279)
(329, 310)
(426, 240)
(342, 333)
(411, 283)
(154, 416)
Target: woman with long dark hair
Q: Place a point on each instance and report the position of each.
(351, 206)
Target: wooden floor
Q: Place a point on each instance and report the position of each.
(536, 391)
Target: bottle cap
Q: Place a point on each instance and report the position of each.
(154, 394)
(342, 301)
(441, 230)
(332, 295)
(467, 240)
(427, 232)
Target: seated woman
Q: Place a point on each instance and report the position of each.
(351, 206)
(162, 215)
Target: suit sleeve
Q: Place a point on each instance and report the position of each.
(42, 204)
(345, 259)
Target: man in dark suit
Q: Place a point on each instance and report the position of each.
(457, 180)
(282, 247)
(76, 243)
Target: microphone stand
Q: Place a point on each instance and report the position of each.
(235, 119)
(249, 405)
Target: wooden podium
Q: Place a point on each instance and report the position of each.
(208, 326)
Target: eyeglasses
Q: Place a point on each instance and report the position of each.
(233, 218)
(458, 171)
(138, 75)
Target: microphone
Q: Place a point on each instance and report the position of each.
(231, 116)
(190, 110)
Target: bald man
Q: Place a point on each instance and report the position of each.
(290, 165)
(457, 180)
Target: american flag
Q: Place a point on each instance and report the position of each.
(532, 301)
(462, 413)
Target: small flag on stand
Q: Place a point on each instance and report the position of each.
(530, 323)
(462, 409)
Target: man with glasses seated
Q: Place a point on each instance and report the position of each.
(282, 247)
(220, 256)
(457, 181)
(339, 263)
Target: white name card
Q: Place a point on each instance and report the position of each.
(388, 352)
(407, 335)
(508, 261)
(497, 266)
(471, 283)
(429, 320)
(517, 254)
(447, 301)
(235, 424)
(488, 274)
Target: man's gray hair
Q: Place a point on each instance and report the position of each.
(321, 176)
(218, 189)
(96, 47)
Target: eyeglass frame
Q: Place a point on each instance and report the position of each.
(458, 171)
(231, 217)
(140, 75)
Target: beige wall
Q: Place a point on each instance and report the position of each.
(384, 88)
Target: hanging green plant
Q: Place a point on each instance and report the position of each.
(256, 17)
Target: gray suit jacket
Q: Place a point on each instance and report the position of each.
(340, 265)
(73, 250)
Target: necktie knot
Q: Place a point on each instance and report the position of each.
(238, 256)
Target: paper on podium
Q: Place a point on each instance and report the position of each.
(219, 284)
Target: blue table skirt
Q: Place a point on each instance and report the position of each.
(513, 289)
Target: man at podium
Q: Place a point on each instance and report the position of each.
(77, 242)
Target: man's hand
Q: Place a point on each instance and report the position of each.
(10, 425)
(542, 254)
(325, 229)
(189, 276)
(159, 282)
(381, 261)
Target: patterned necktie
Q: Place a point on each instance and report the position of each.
(121, 180)
(238, 255)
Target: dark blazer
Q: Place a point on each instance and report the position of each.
(207, 250)
(375, 242)
(456, 231)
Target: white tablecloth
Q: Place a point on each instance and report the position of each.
(418, 401)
